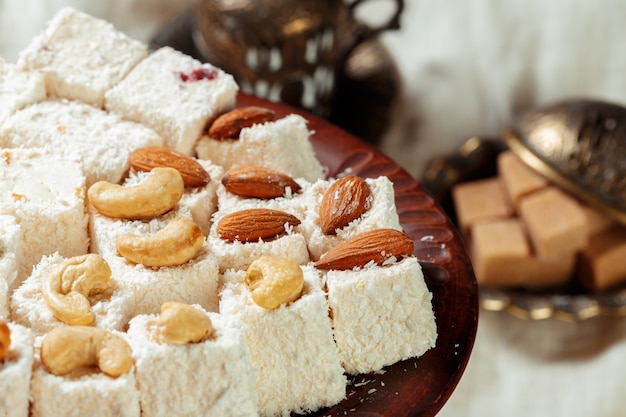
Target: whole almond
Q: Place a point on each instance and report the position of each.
(148, 157)
(377, 245)
(258, 182)
(345, 200)
(229, 124)
(250, 225)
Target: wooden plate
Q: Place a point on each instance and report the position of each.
(415, 387)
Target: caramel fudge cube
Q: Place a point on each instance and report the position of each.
(480, 200)
(517, 177)
(556, 222)
(555, 271)
(175, 95)
(500, 251)
(596, 220)
(81, 57)
(601, 264)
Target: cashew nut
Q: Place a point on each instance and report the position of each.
(5, 340)
(156, 195)
(273, 281)
(67, 348)
(175, 244)
(180, 323)
(67, 287)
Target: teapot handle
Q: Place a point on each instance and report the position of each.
(366, 32)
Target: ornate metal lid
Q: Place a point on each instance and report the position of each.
(579, 145)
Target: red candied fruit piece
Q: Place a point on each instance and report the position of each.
(198, 74)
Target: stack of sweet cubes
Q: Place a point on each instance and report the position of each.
(524, 231)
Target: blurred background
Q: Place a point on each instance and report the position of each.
(455, 69)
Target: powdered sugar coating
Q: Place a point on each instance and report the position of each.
(15, 373)
(282, 145)
(49, 208)
(292, 347)
(100, 140)
(154, 93)
(67, 395)
(29, 308)
(18, 89)
(381, 315)
(168, 376)
(81, 57)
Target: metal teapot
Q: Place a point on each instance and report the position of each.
(284, 50)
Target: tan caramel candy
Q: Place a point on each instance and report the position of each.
(480, 200)
(517, 178)
(602, 263)
(555, 221)
(499, 252)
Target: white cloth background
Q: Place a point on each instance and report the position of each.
(20, 20)
(467, 67)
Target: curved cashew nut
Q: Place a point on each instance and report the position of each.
(67, 287)
(175, 244)
(71, 347)
(156, 195)
(273, 281)
(5, 340)
(180, 323)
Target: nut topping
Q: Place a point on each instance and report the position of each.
(376, 246)
(67, 348)
(175, 244)
(5, 340)
(250, 225)
(274, 281)
(229, 125)
(345, 201)
(156, 195)
(148, 157)
(67, 288)
(253, 181)
(180, 323)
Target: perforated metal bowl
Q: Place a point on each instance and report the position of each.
(579, 145)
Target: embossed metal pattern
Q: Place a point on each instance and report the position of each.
(284, 50)
(421, 386)
(476, 159)
(580, 145)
